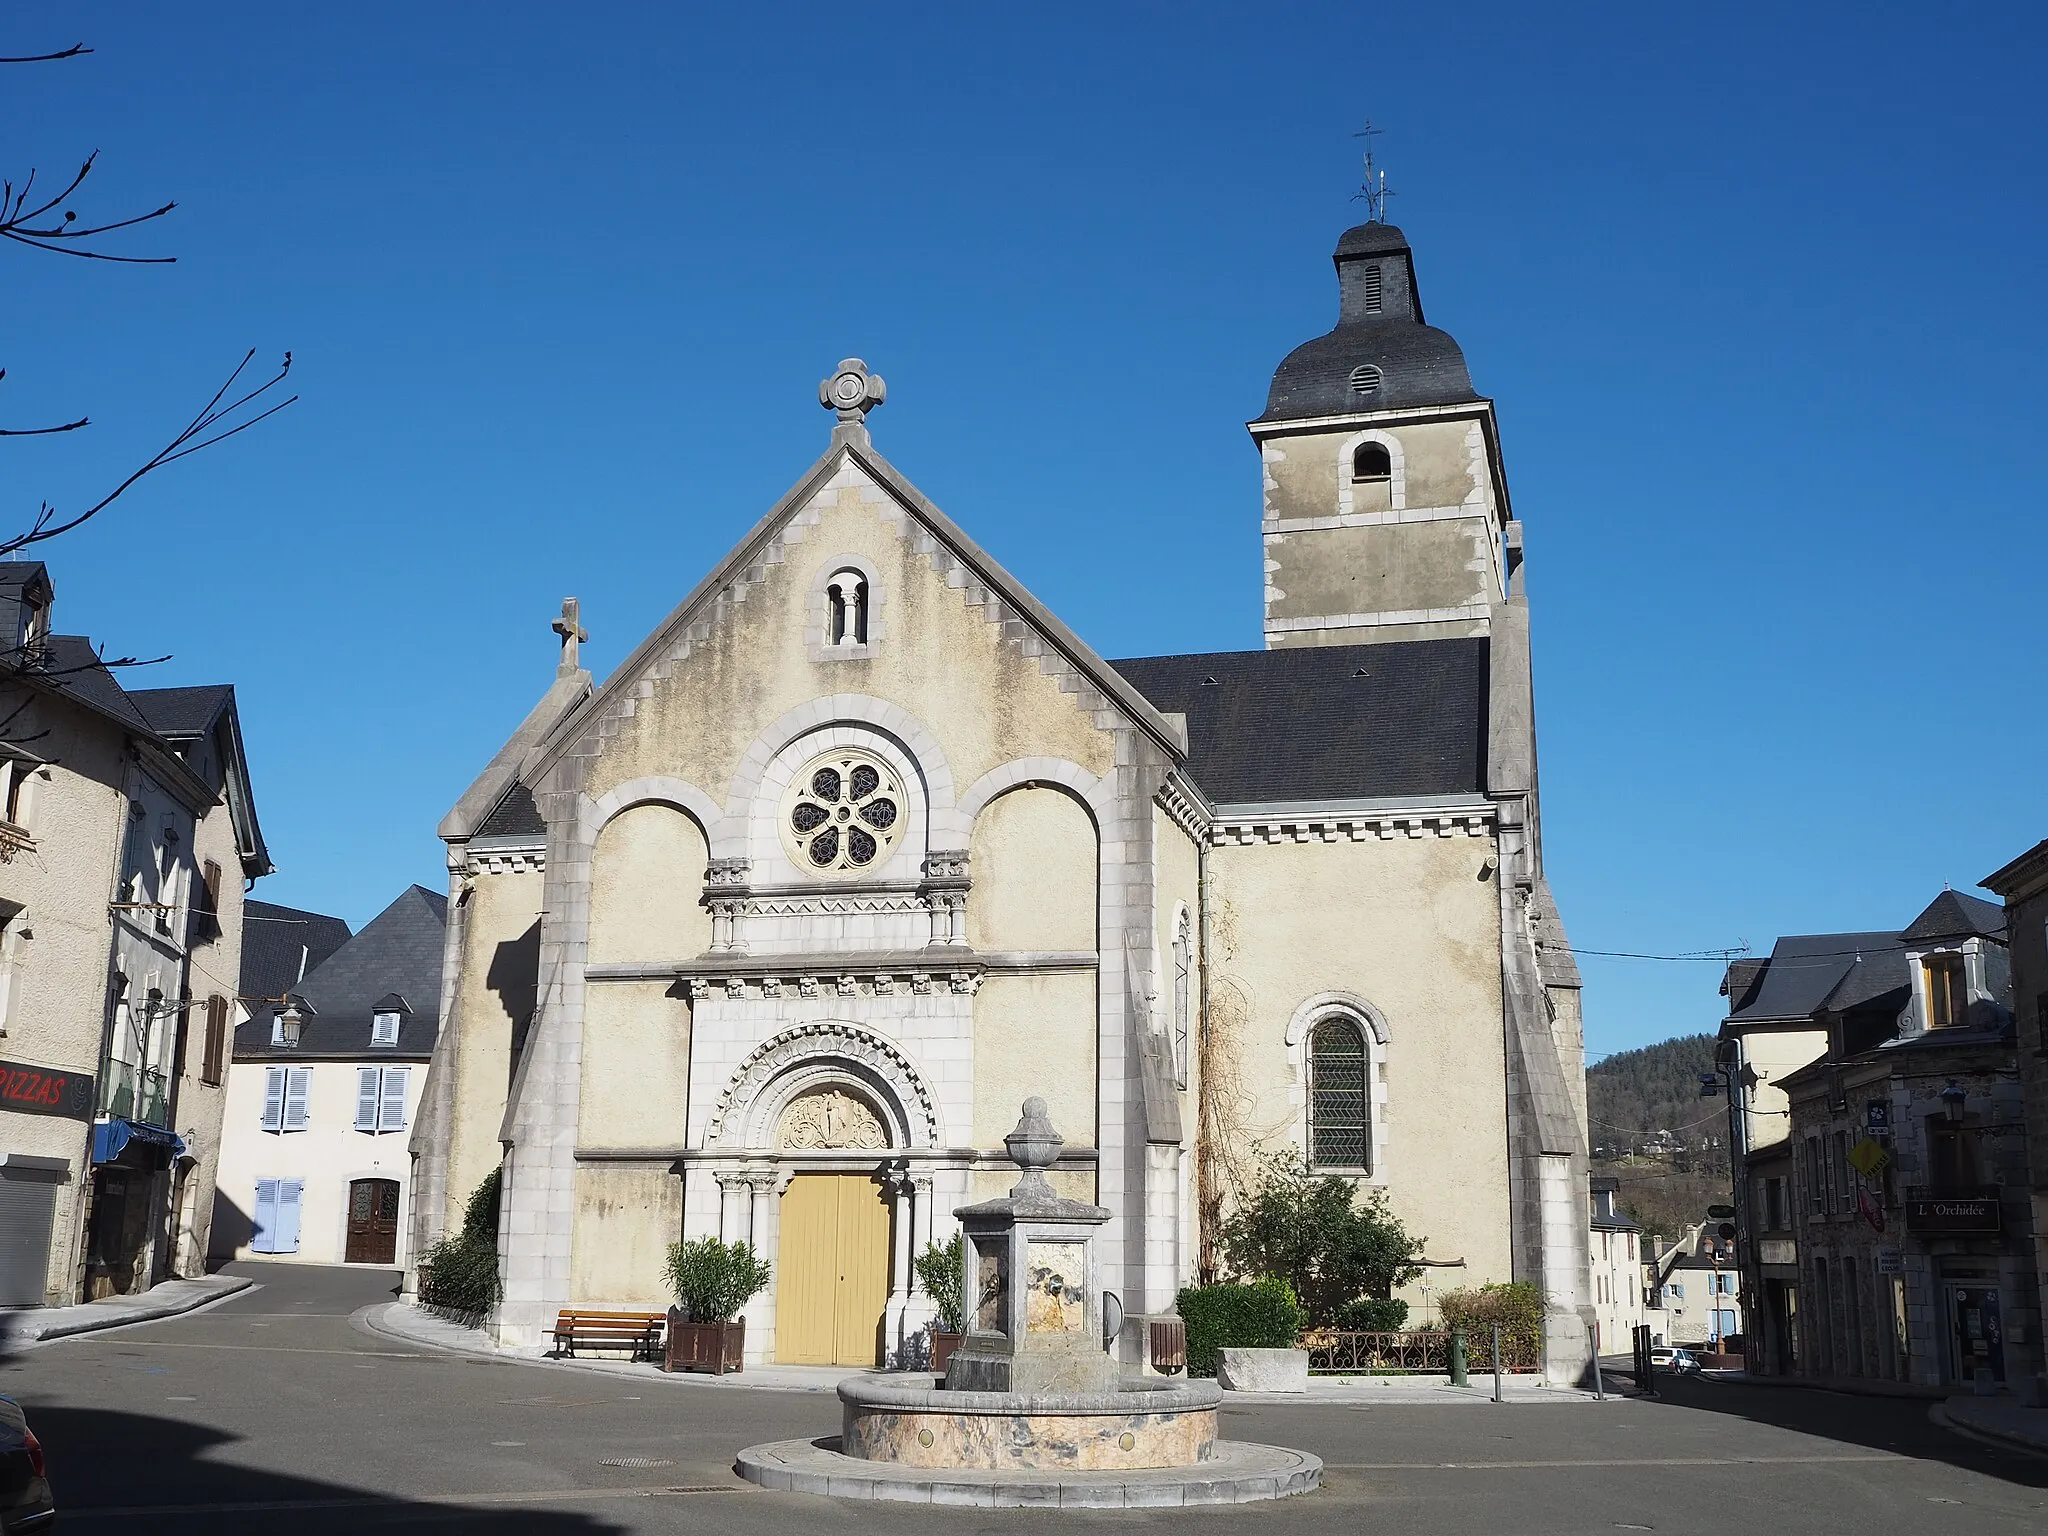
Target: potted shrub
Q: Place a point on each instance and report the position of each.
(941, 1271)
(712, 1280)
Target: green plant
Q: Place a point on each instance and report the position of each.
(460, 1273)
(1373, 1314)
(1315, 1232)
(941, 1270)
(713, 1280)
(1517, 1307)
(1262, 1315)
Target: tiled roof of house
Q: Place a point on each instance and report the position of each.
(398, 951)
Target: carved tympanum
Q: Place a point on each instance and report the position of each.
(831, 1121)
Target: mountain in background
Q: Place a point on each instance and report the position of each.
(1652, 1132)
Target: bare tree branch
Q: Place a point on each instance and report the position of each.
(49, 58)
(69, 426)
(18, 220)
(198, 433)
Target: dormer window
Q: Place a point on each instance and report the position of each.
(846, 608)
(1371, 465)
(384, 1029)
(1948, 991)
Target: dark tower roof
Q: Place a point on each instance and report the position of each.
(1381, 356)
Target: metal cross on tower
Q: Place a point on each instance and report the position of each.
(1374, 192)
(573, 635)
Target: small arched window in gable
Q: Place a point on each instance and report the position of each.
(1372, 465)
(846, 608)
(1339, 1097)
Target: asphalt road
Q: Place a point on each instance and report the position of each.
(275, 1412)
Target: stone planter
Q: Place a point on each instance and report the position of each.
(714, 1348)
(1264, 1370)
(943, 1345)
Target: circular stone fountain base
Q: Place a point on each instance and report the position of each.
(1165, 1424)
(1233, 1473)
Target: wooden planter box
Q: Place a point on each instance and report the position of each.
(943, 1345)
(711, 1347)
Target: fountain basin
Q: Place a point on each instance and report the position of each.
(889, 1420)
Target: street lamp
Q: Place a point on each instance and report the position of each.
(1953, 1099)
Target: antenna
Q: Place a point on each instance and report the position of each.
(1373, 192)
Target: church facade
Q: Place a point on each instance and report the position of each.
(768, 935)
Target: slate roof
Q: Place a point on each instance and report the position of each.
(273, 939)
(398, 951)
(1810, 972)
(70, 666)
(515, 815)
(182, 712)
(1952, 915)
(1327, 722)
(1419, 364)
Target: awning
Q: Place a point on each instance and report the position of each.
(110, 1138)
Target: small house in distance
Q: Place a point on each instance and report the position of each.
(324, 1088)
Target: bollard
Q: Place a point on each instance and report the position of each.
(1458, 1376)
(1496, 1365)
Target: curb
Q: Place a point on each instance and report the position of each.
(1939, 1415)
(123, 1317)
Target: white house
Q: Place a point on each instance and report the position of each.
(325, 1086)
(1617, 1270)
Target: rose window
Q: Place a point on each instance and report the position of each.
(842, 813)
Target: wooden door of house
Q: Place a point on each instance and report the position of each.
(833, 1256)
(372, 1222)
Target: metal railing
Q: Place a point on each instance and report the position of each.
(135, 1093)
(1332, 1350)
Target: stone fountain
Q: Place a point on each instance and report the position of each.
(1034, 1409)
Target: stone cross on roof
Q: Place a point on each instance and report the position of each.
(852, 391)
(573, 635)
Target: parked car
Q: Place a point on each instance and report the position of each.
(1679, 1362)
(25, 1501)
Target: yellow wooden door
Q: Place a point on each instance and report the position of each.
(834, 1270)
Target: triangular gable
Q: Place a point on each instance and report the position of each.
(760, 548)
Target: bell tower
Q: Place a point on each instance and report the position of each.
(1386, 512)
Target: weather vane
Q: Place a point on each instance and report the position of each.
(1374, 192)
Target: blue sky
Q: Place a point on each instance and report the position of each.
(1756, 291)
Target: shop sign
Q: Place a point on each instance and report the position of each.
(1955, 1214)
(1877, 1117)
(1891, 1261)
(28, 1090)
(1868, 1156)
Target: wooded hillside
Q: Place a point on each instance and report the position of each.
(1653, 1132)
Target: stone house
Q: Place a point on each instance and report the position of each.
(127, 838)
(324, 1092)
(1694, 1298)
(768, 935)
(1617, 1260)
(1910, 1257)
(2024, 885)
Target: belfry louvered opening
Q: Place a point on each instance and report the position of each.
(1372, 289)
(1365, 379)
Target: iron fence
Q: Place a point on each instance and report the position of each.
(1379, 1354)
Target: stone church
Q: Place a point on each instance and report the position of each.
(769, 934)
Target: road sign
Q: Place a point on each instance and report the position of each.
(1877, 1117)
(1720, 1213)
(1868, 1156)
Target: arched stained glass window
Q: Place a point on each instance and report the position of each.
(1339, 1097)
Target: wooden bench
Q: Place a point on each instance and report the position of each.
(639, 1332)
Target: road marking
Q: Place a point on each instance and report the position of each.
(276, 1349)
(395, 1502)
(1658, 1461)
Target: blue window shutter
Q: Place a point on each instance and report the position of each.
(288, 1192)
(366, 1098)
(298, 1083)
(391, 1114)
(273, 1098)
(265, 1221)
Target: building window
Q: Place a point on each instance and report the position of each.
(1372, 465)
(842, 813)
(380, 1098)
(1816, 1180)
(212, 1064)
(1183, 964)
(285, 1091)
(1845, 1183)
(206, 915)
(15, 773)
(1339, 1097)
(384, 1029)
(846, 608)
(1948, 991)
(2041, 1023)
